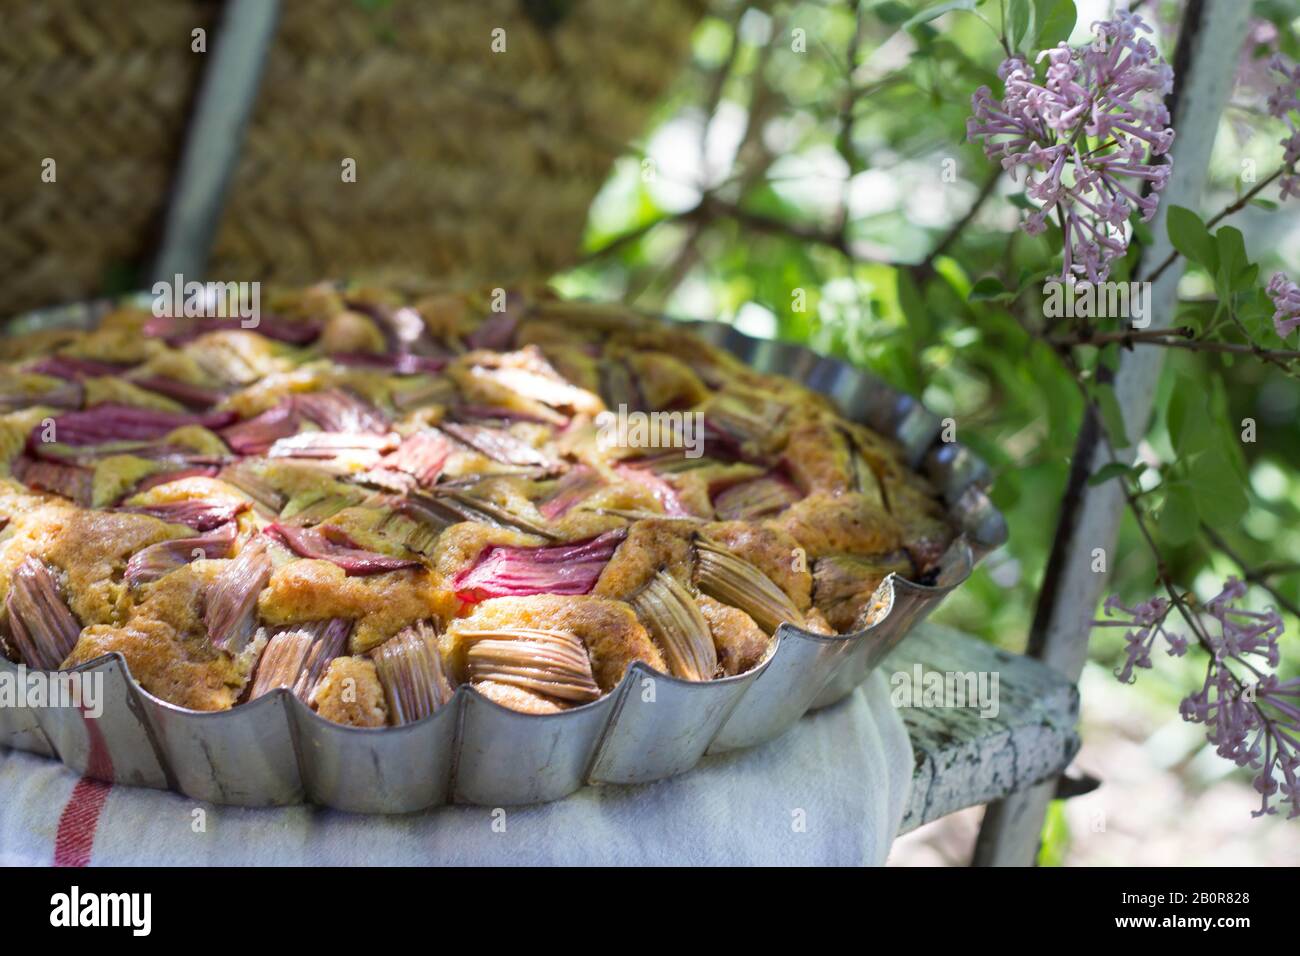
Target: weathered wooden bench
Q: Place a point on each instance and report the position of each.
(964, 759)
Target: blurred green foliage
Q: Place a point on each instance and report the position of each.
(1056, 836)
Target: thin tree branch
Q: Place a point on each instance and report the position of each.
(1177, 338)
(986, 191)
(1237, 206)
(1251, 575)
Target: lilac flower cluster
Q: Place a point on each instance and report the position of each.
(1251, 716)
(1286, 303)
(1146, 623)
(1086, 136)
(1282, 102)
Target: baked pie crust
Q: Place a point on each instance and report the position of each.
(370, 500)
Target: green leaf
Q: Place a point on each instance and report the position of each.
(1220, 498)
(938, 10)
(1053, 23)
(1226, 438)
(1112, 416)
(912, 304)
(1006, 490)
(1036, 278)
(1190, 237)
(1186, 417)
(1230, 246)
(1236, 272)
(1056, 841)
(892, 13)
(1109, 472)
(990, 289)
(1179, 518)
(1245, 280)
(1019, 14)
(1195, 314)
(1255, 310)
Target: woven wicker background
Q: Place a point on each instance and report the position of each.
(102, 89)
(469, 163)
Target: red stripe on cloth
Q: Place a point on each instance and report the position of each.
(76, 834)
(75, 837)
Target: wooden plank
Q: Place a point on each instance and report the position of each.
(214, 137)
(963, 758)
(1211, 37)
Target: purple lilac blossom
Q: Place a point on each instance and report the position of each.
(1089, 131)
(1251, 716)
(1282, 103)
(1286, 303)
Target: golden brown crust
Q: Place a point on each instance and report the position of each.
(351, 332)
(460, 545)
(350, 693)
(523, 381)
(840, 524)
(242, 358)
(814, 620)
(165, 644)
(651, 545)
(666, 382)
(818, 457)
(516, 698)
(444, 315)
(89, 548)
(16, 426)
(117, 340)
(380, 604)
(739, 641)
(575, 365)
(692, 488)
(14, 348)
(926, 531)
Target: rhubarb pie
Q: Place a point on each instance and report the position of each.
(371, 499)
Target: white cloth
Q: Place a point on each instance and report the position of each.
(830, 791)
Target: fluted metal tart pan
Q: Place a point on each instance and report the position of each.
(277, 751)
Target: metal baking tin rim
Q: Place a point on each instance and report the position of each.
(959, 474)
